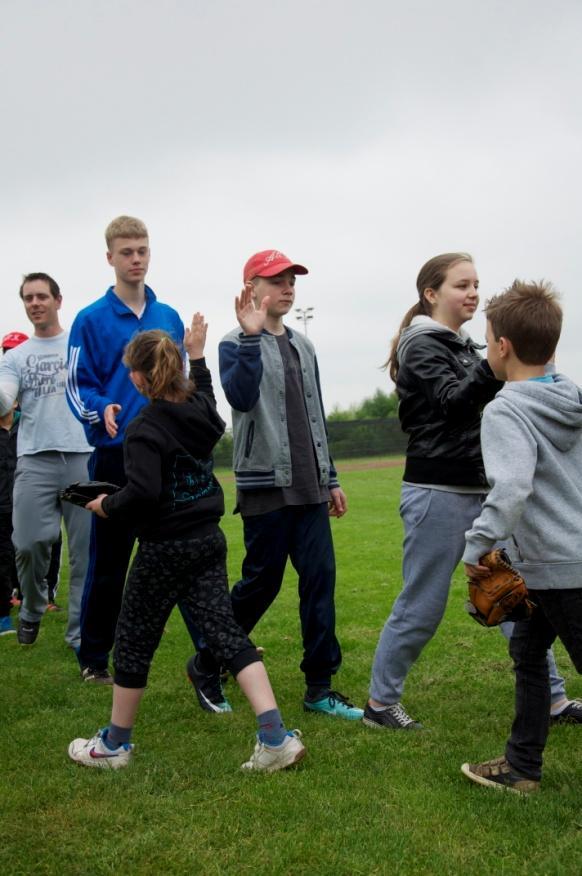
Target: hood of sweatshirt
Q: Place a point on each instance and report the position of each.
(425, 325)
(195, 424)
(554, 409)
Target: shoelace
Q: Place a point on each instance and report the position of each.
(398, 712)
(335, 696)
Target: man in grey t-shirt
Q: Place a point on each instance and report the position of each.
(52, 453)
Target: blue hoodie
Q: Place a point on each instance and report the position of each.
(97, 376)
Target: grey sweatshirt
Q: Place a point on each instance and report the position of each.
(531, 439)
(35, 375)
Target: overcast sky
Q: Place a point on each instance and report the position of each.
(360, 137)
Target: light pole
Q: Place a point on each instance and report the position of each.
(304, 314)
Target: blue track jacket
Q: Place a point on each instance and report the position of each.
(97, 376)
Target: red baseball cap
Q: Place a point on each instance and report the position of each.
(13, 339)
(269, 263)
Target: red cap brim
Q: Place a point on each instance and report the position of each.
(280, 267)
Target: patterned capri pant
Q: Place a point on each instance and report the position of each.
(191, 570)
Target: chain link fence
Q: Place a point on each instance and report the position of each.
(347, 439)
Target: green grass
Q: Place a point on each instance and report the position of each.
(362, 801)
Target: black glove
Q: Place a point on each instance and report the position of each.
(81, 493)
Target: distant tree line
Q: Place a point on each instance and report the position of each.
(370, 428)
(377, 407)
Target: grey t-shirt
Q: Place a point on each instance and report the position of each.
(35, 375)
(305, 489)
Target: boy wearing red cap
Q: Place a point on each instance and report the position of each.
(286, 482)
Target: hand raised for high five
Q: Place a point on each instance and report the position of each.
(251, 320)
(195, 337)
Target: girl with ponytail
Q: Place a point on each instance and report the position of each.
(175, 502)
(442, 384)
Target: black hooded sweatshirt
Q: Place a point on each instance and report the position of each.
(171, 491)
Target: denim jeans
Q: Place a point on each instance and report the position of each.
(558, 614)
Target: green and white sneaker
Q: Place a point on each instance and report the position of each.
(333, 703)
(94, 753)
(270, 758)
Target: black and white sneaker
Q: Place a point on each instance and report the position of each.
(27, 632)
(392, 717)
(208, 688)
(572, 714)
(96, 676)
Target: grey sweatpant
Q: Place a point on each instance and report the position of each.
(36, 519)
(435, 523)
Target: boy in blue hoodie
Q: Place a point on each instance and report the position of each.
(531, 438)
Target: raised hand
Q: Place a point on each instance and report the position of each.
(195, 337)
(251, 319)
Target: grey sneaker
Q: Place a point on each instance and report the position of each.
(268, 759)
(498, 773)
(392, 717)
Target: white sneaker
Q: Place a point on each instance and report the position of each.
(94, 753)
(268, 759)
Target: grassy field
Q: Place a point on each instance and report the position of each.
(362, 802)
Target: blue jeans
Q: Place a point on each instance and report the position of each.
(303, 535)
(558, 614)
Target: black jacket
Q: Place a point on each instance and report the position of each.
(8, 438)
(171, 491)
(443, 384)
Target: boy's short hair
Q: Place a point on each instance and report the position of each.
(124, 226)
(528, 315)
(40, 275)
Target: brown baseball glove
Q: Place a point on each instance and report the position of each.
(500, 597)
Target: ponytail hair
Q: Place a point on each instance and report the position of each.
(155, 355)
(432, 275)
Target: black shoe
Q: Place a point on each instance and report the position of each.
(27, 632)
(572, 714)
(208, 688)
(391, 718)
(96, 676)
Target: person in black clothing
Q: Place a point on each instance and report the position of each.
(8, 435)
(8, 575)
(176, 503)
